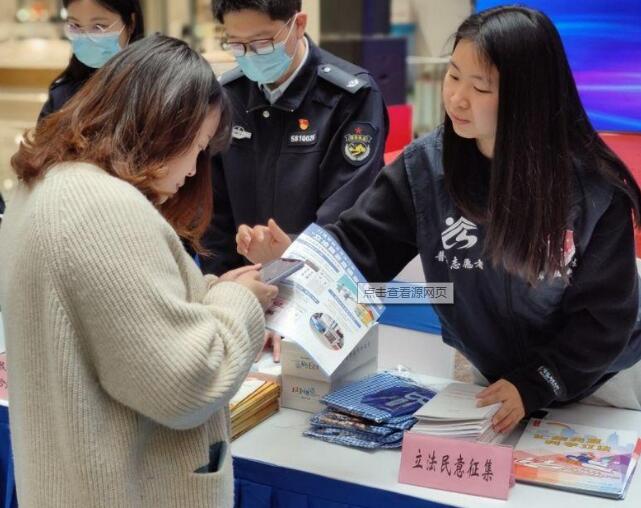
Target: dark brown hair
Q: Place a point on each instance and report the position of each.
(144, 107)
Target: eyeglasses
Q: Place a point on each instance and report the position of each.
(258, 46)
(72, 30)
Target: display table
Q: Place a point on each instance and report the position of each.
(277, 467)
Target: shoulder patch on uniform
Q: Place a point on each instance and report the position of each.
(341, 78)
(230, 75)
(358, 143)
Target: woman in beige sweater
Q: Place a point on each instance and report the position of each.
(122, 356)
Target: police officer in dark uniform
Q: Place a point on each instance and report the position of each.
(308, 128)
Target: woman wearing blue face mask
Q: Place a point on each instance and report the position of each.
(97, 29)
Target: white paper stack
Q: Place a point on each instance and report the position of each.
(452, 413)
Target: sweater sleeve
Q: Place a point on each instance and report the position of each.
(155, 345)
(600, 309)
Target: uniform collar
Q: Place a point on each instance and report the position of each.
(275, 94)
(297, 89)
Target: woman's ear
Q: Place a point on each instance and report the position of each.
(131, 26)
(301, 24)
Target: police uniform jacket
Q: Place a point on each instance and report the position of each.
(303, 159)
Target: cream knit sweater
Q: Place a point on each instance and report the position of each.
(122, 357)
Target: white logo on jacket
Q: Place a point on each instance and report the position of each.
(239, 132)
(459, 233)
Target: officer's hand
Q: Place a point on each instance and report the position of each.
(272, 340)
(264, 292)
(511, 411)
(262, 243)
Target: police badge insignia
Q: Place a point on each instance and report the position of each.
(303, 136)
(358, 143)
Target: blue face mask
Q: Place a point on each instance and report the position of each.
(95, 50)
(267, 68)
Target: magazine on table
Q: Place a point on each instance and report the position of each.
(577, 458)
(317, 306)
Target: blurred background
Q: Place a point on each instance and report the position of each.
(401, 41)
(404, 43)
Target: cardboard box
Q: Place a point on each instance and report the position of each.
(304, 394)
(304, 383)
(266, 369)
(296, 362)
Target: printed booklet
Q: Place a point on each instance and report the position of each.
(589, 460)
(317, 305)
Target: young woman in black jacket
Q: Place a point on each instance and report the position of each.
(519, 203)
(97, 29)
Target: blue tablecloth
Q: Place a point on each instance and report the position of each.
(7, 482)
(261, 485)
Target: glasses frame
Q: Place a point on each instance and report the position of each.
(76, 31)
(269, 43)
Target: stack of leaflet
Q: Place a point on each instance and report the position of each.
(372, 413)
(255, 401)
(452, 413)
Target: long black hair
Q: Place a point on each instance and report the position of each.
(129, 11)
(542, 134)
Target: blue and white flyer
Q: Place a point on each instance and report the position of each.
(317, 306)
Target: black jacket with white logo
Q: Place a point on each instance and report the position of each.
(555, 342)
(303, 159)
